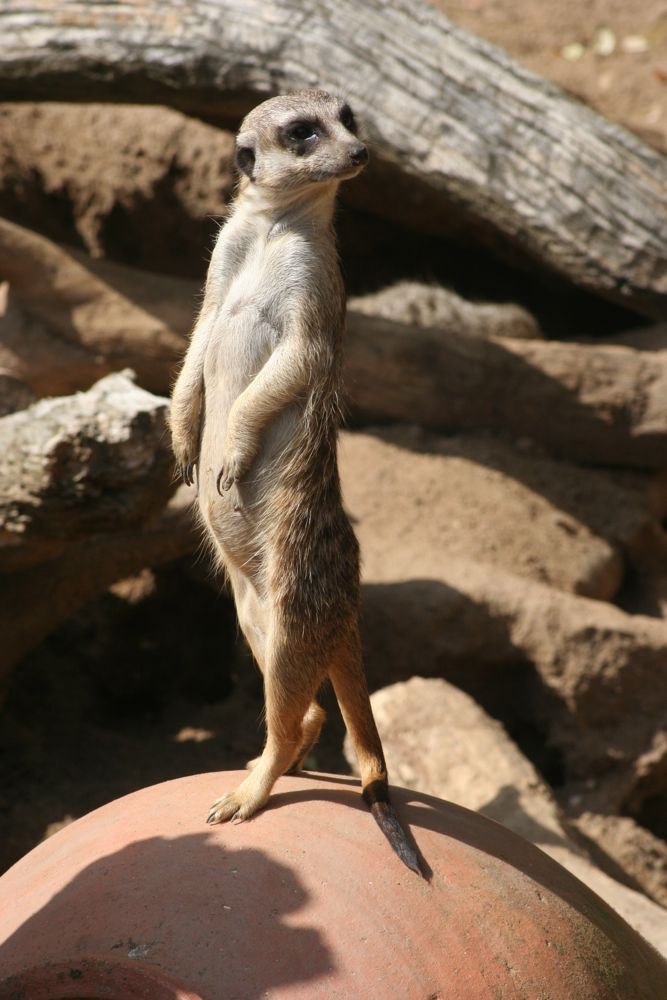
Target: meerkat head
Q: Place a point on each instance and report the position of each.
(299, 140)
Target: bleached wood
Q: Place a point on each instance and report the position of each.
(459, 131)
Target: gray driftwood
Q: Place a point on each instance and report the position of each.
(462, 135)
(76, 466)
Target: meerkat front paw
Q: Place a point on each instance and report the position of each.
(185, 466)
(233, 469)
(185, 449)
(187, 472)
(239, 454)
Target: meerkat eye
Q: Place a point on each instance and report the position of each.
(347, 119)
(301, 132)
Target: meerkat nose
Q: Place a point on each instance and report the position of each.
(359, 155)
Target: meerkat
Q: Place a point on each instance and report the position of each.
(254, 418)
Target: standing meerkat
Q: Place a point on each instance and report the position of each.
(256, 409)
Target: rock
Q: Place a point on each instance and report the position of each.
(33, 355)
(592, 678)
(476, 560)
(598, 404)
(77, 465)
(643, 338)
(142, 184)
(418, 500)
(438, 741)
(418, 304)
(36, 599)
(636, 851)
(647, 594)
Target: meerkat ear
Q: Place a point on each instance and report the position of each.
(245, 154)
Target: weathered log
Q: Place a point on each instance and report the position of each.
(459, 130)
(76, 466)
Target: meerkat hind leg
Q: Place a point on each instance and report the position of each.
(286, 706)
(312, 724)
(349, 683)
(313, 721)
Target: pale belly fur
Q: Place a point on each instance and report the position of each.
(241, 343)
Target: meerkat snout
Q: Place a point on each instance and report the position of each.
(359, 155)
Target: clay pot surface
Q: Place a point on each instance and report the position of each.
(140, 899)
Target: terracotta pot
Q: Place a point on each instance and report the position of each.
(140, 899)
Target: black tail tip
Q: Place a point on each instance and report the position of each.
(387, 820)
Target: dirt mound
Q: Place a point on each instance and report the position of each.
(147, 185)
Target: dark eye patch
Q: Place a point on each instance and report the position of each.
(347, 118)
(301, 131)
(300, 136)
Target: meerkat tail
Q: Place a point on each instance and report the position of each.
(376, 797)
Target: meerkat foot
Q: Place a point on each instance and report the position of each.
(236, 806)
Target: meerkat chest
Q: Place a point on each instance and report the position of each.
(261, 301)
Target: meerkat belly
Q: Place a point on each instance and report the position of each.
(247, 330)
(242, 343)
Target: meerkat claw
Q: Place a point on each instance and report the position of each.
(186, 473)
(235, 807)
(215, 815)
(224, 481)
(223, 809)
(231, 472)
